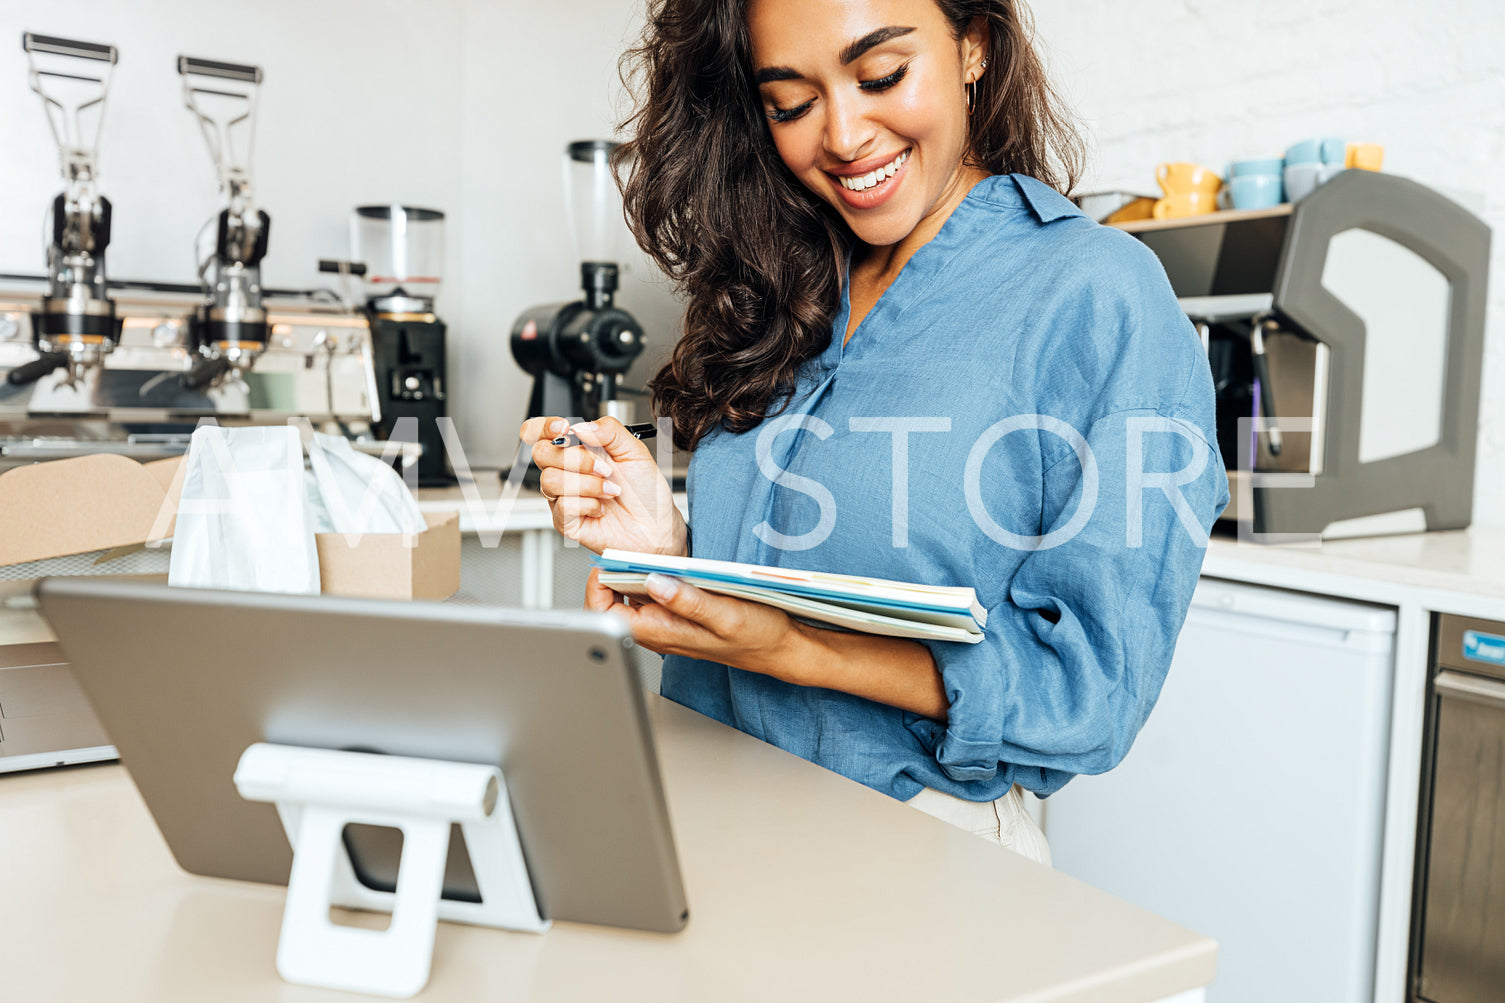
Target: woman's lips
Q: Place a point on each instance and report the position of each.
(872, 198)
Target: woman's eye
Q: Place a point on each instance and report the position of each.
(884, 83)
(788, 114)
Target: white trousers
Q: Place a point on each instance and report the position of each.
(1005, 821)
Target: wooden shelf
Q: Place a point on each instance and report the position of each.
(1205, 219)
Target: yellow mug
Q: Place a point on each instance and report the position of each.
(1182, 178)
(1365, 156)
(1185, 204)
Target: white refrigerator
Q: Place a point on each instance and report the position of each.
(1250, 807)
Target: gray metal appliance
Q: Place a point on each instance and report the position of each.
(1355, 320)
(1458, 912)
(137, 400)
(93, 365)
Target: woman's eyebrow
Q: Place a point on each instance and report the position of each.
(853, 51)
(769, 74)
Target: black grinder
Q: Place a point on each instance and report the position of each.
(577, 352)
(401, 252)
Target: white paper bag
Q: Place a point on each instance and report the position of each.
(243, 519)
(359, 493)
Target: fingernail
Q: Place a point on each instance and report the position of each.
(586, 426)
(661, 587)
(558, 426)
(602, 468)
(611, 490)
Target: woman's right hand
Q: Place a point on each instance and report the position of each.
(607, 492)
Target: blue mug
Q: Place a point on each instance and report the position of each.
(1256, 191)
(1267, 165)
(1329, 150)
(1302, 179)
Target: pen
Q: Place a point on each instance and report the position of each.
(646, 430)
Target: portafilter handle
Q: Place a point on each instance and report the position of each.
(30, 372)
(205, 372)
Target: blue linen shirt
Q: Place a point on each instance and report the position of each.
(984, 426)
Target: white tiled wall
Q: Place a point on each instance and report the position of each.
(1216, 80)
(466, 104)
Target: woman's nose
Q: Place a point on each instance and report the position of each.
(848, 134)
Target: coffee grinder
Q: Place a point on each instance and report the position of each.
(401, 248)
(76, 325)
(577, 352)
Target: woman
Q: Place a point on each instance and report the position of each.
(906, 356)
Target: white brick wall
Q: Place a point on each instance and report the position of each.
(1213, 80)
(1154, 80)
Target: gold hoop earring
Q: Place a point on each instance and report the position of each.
(971, 95)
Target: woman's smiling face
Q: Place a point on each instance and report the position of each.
(866, 105)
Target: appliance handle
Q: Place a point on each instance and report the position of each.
(1474, 689)
(225, 71)
(32, 42)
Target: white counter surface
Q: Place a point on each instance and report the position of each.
(802, 885)
(1461, 571)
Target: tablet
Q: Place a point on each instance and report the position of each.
(184, 680)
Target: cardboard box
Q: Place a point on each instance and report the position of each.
(105, 502)
(381, 566)
(84, 504)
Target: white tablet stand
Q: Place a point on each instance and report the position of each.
(319, 791)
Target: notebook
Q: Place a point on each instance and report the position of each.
(869, 605)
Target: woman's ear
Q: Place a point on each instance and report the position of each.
(975, 43)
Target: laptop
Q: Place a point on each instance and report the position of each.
(44, 717)
(183, 680)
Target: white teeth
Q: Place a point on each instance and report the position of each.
(877, 176)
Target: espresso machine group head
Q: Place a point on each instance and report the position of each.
(76, 324)
(230, 330)
(577, 352)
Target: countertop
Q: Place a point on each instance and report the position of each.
(1459, 571)
(802, 885)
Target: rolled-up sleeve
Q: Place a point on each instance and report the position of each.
(1078, 646)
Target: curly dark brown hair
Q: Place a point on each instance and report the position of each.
(756, 255)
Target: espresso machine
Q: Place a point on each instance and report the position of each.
(1345, 334)
(577, 352)
(90, 364)
(75, 325)
(399, 251)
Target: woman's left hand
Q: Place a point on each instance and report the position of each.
(685, 620)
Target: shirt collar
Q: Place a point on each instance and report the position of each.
(1045, 202)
